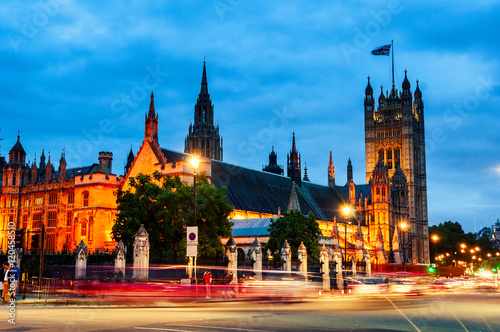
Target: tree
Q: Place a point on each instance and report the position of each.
(295, 228)
(450, 238)
(164, 204)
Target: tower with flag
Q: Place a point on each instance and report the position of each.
(395, 138)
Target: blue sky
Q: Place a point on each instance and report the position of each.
(77, 76)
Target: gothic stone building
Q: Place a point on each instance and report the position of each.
(78, 204)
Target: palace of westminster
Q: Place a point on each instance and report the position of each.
(78, 203)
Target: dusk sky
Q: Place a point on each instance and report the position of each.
(78, 77)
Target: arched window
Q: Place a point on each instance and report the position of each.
(389, 158)
(84, 227)
(402, 198)
(381, 155)
(383, 192)
(85, 196)
(377, 192)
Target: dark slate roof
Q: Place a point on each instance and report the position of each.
(77, 171)
(360, 188)
(259, 191)
(251, 227)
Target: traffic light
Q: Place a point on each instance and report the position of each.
(431, 269)
(35, 241)
(19, 238)
(494, 269)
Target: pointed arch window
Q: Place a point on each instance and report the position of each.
(85, 196)
(389, 158)
(383, 192)
(84, 227)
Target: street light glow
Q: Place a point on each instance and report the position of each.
(195, 162)
(346, 210)
(403, 225)
(435, 238)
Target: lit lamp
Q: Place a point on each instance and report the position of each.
(346, 211)
(403, 226)
(195, 162)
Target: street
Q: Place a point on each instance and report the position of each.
(440, 311)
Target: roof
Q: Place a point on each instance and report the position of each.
(251, 190)
(363, 189)
(251, 227)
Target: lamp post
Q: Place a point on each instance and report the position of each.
(195, 162)
(403, 227)
(346, 211)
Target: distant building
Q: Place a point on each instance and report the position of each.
(491, 233)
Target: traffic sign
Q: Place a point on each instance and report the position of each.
(192, 236)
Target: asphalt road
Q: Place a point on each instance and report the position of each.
(476, 311)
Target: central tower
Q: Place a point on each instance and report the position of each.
(203, 138)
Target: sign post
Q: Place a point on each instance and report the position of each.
(192, 246)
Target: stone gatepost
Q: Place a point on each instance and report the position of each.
(353, 261)
(368, 265)
(141, 254)
(232, 256)
(381, 258)
(324, 259)
(286, 257)
(120, 260)
(256, 253)
(81, 261)
(302, 256)
(395, 248)
(337, 257)
(359, 247)
(190, 267)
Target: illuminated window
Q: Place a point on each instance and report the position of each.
(383, 192)
(71, 198)
(52, 219)
(389, 158)
(84, 227)
(39, 200)
(69, 218)
(37, 220)
(25, 221)
(377, 192)
(52, 199)
(85, 195)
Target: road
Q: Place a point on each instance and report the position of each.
(476, 311)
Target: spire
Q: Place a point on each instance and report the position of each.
(306, 178)
(418, 93)
(349, 171)
(204, 84)
(331, 172)
(62, 166)
(130, 159)
(381, 98)
(151, 125)
(152, 113)
(368, 90)
(406, 83)
(273, 166)
(42, 161)
(293, 163)
(293, 202)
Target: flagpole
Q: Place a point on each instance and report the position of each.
(392, 46)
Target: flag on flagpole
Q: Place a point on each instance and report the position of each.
(382, 50)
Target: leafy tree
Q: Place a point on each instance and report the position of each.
(164, 204)
(295, 228)
(450, 237)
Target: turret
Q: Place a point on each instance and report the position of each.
(273, 166)
(349, 171)
(105, 161)
(62, 167)
(406, 96)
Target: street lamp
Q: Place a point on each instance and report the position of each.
(195, 162)
(346, 211)
(403, 226)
